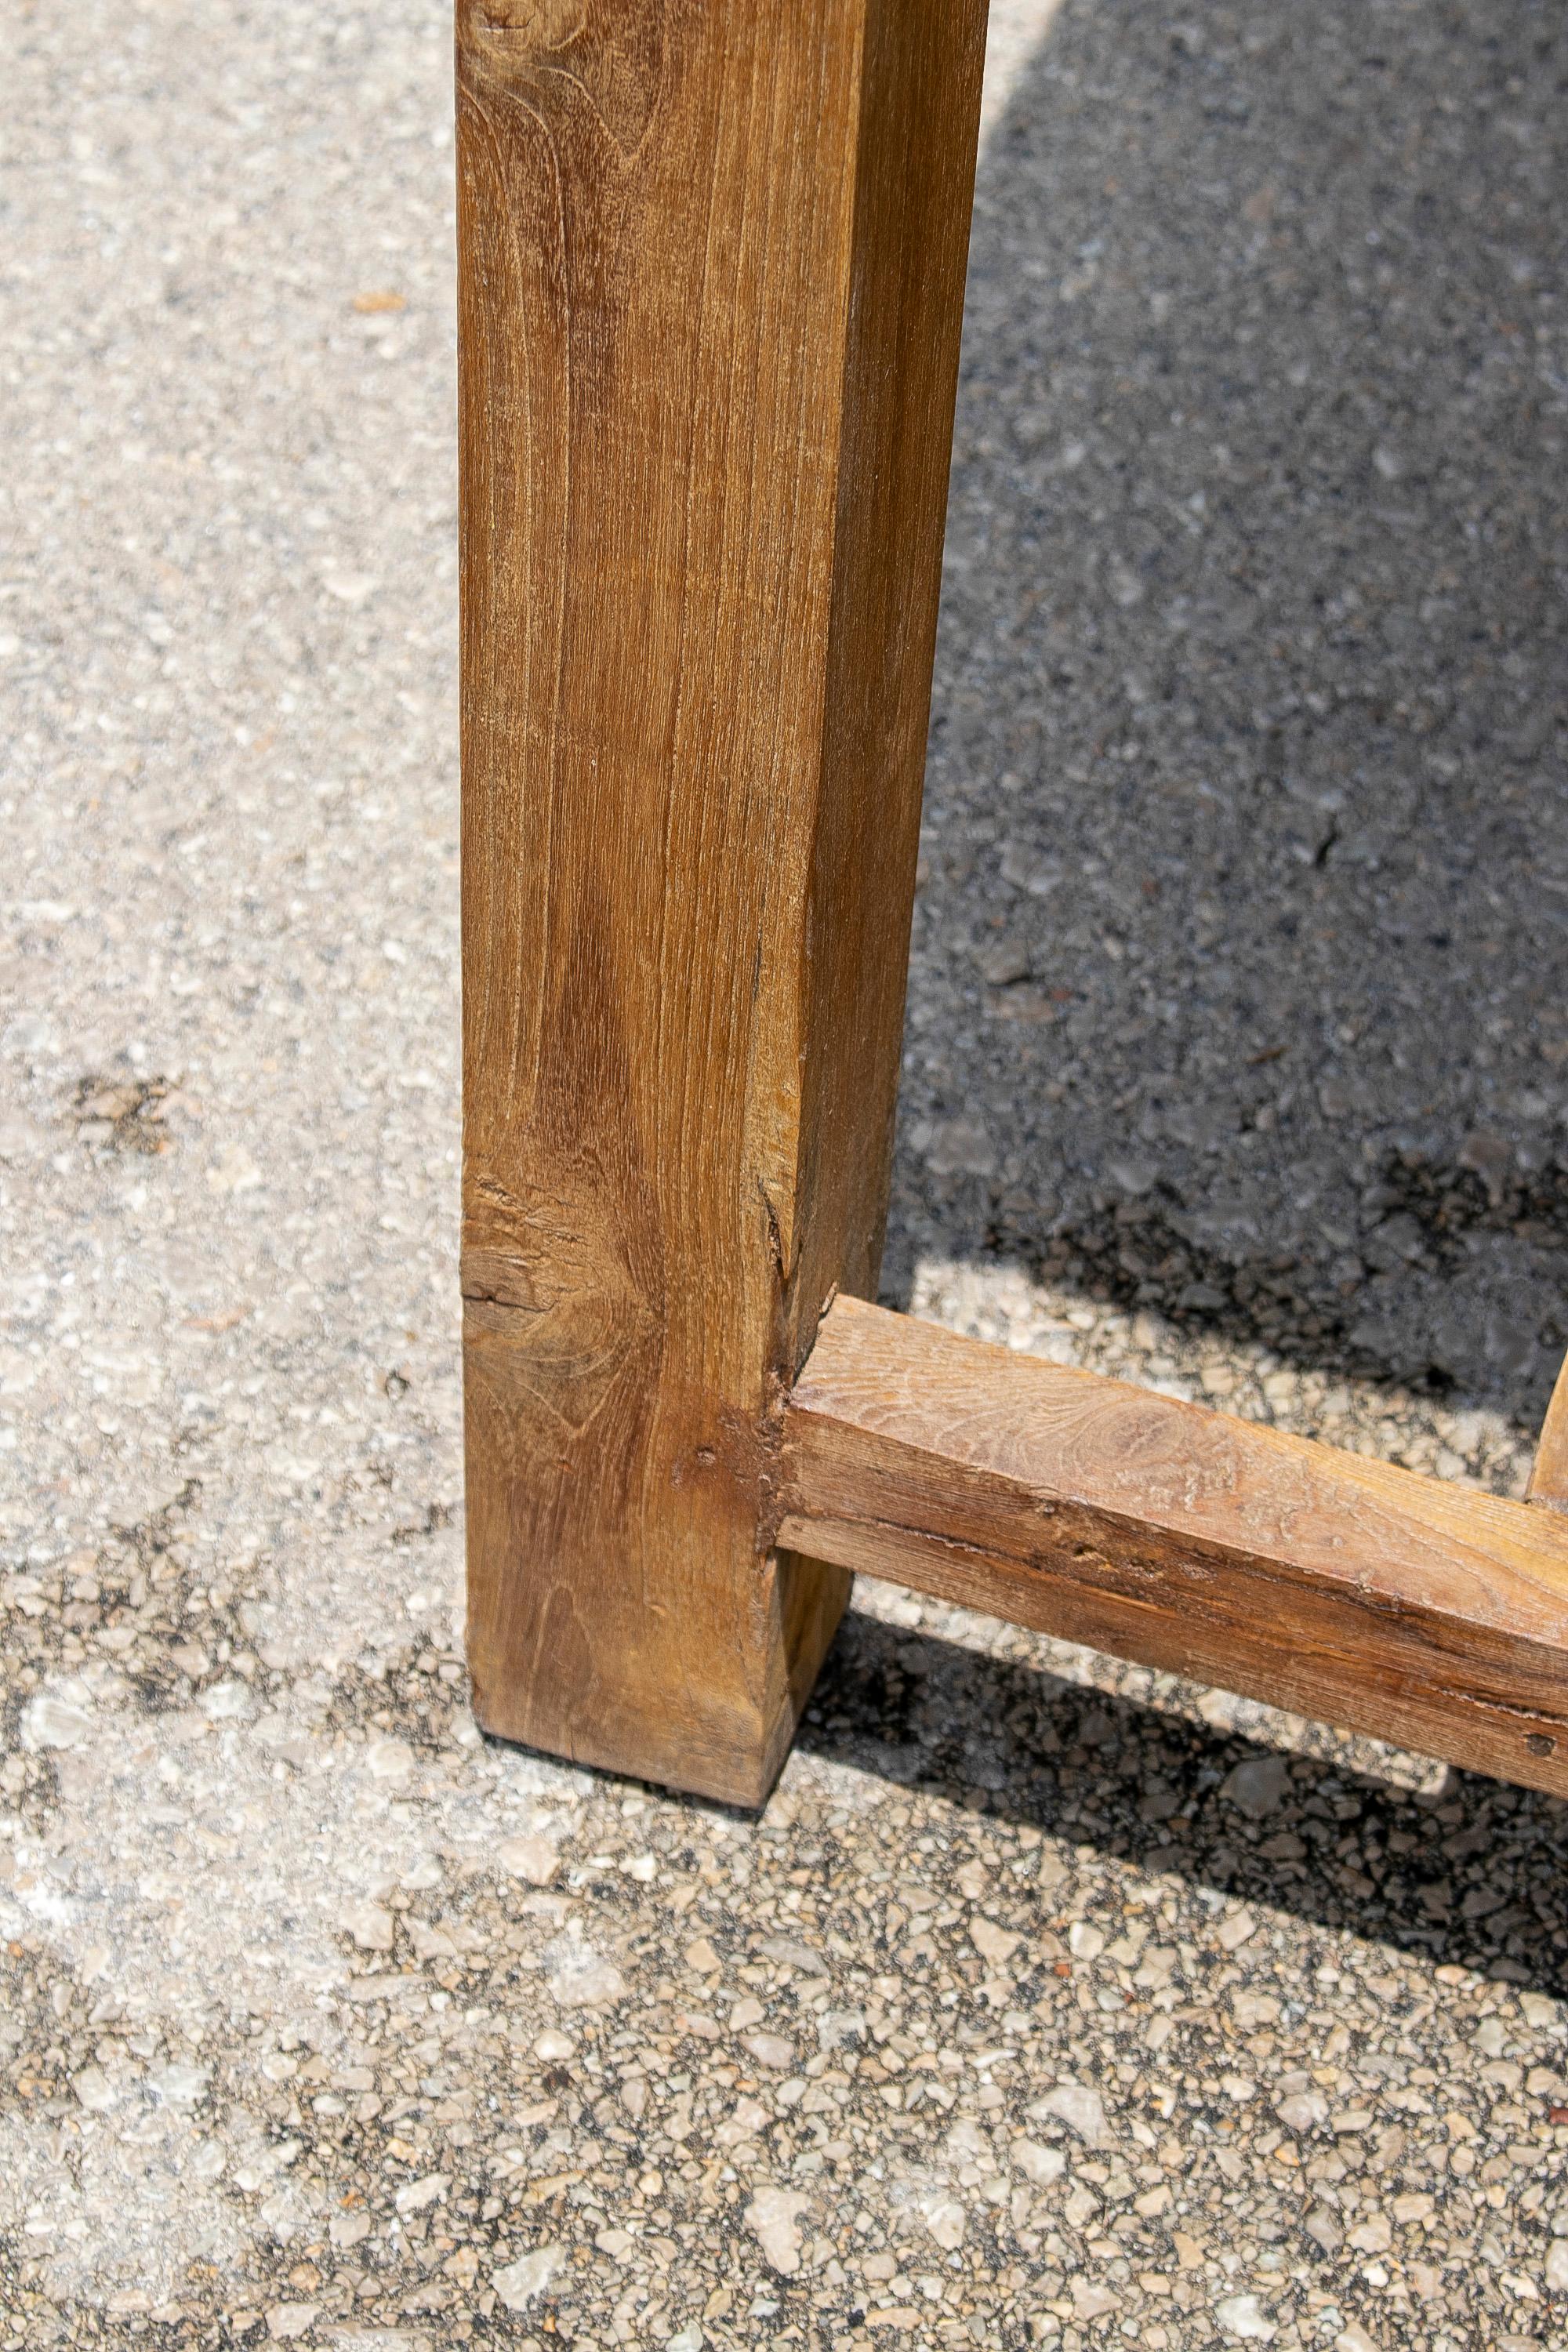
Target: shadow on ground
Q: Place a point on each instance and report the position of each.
(1238, 982)
(1471, 1874)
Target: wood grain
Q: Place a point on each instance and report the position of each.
(711, 262)
(1423, 1612)
(1549, 1473)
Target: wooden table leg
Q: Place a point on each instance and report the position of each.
(1549, 1475)
(711, 265)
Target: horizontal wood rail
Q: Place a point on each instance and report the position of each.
(1421, 1611)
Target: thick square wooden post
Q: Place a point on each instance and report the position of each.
(711, 263)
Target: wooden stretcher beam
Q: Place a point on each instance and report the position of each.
(1421, 1611)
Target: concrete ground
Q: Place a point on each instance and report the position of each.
(1049, 2001)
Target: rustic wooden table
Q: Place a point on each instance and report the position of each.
(712, 278)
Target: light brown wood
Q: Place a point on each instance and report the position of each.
(711, 260)
(1549, 1474)
(1420, 1610)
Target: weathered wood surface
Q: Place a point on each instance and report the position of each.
(712, 261)
(1421, 1612)
(1549, 1473)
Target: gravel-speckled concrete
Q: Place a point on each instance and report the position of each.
(1049, 2003)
